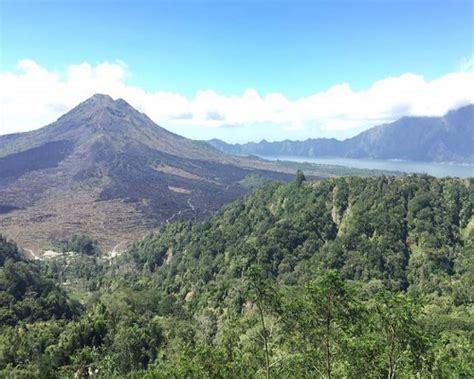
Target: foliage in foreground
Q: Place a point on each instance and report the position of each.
(341, 278)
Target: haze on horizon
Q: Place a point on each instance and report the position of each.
(211, 69)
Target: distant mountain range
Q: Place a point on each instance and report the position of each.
(431, 139)
(106, 170)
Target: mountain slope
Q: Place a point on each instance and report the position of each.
(371, 270)
(366, 228)
(447, 138)
(106, 170)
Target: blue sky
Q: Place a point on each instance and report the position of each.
(295, 48)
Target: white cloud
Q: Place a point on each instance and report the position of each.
(33, 96)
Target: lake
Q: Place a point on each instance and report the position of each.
(430, 168)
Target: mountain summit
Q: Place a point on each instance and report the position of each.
(103, 112)
(106, 170)
(100, 120)
(99, 111)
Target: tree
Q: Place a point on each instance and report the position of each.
(261, 294)
(320, 321)
(402, 342)
(300, 178)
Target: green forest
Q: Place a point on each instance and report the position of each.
(340, 278)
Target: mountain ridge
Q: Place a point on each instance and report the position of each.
(439, 139)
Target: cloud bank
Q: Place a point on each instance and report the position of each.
(33, 96)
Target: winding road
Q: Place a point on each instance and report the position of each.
(177, 214)
(191, 205)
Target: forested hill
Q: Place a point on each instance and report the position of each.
(347, 277)
(441, 139)
(375, 230)
(26, 295)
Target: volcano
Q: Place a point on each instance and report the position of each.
(106, 170)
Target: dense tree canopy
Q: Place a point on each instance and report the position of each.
(346, 277)
(25, 294)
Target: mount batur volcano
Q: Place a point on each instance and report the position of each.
(106, 170)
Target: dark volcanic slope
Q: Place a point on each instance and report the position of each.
(106, 170)
(447, 138)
